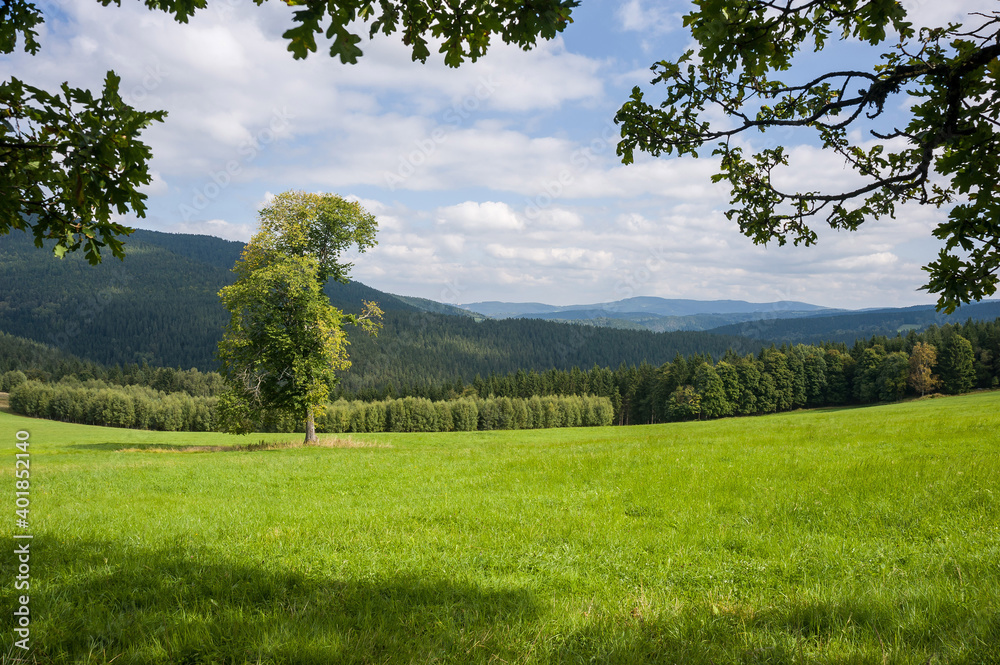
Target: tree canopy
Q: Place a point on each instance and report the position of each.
(465, 29)
(946, 153)
(73, 160)
(285, 341)
(319, 225)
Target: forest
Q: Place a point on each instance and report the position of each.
(161, 308)
(950, 359)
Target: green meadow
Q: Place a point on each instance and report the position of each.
(832, 536)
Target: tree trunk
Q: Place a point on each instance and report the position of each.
(310, 427)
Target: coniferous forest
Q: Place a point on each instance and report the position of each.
(951, 359)
(161, 308)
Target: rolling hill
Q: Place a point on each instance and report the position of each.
(160, 307)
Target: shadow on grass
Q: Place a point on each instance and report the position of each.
(97, 602)
(102, 602)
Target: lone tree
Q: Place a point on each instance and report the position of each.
(285, 342)
(946, 154)
(70, 160)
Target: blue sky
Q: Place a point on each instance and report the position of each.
(494, 181)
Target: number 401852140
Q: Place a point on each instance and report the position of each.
(22, 471)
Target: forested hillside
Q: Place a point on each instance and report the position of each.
(160, 307)
(426, 349)
(848, 327)
(952, 359)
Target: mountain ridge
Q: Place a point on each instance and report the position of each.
(643, 305)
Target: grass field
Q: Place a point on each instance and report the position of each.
(833, 536)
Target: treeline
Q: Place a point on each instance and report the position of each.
(419, 414)
(96, 403)
(423, 350)
(881, 369)
(138, 407)
(950, 359)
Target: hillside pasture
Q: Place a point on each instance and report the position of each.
(833, 536)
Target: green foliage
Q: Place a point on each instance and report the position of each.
(742, 47)
(814, 373)
(840, 372)
(892, 376)
(94, 402)
(712, 391)
(749, 378)
(684, 404)
(866, 389)
(285, 343)
(322, 226)
(958, 373)
(416, 414)
(464, 415)
(12, 379)
(774, 364)
(464, 30)
(71, 163)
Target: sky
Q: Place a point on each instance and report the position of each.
(494, 181)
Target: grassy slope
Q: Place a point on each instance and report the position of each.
(866, 535)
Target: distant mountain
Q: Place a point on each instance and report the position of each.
(850, 326)
(644, 305)
(651, 313)
(657, 323)
(509, 310)
(425, 305)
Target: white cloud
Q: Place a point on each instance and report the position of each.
(219, 228)
(504, 178)
(486, 216)
(558, 219)
(931, 13)
(643, 16)
(571, 257)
